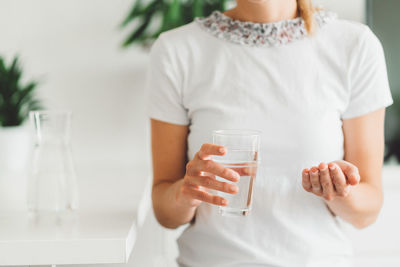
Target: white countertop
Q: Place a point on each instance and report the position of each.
(114, 201)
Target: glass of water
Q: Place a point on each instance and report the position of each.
(242, 156)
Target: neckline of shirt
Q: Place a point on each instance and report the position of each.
(260, 34)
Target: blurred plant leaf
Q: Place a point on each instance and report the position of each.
(135, 11)
(170, 13)
(16, 99)
(198, 8)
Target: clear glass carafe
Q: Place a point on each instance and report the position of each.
(52, 182)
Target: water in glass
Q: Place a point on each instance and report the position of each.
(242, 157)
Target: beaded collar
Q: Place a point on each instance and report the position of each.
(259, 34)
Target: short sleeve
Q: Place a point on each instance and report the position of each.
(368, 80)
(164, 86)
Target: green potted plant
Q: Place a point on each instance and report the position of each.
(16, 100)
(156, 16)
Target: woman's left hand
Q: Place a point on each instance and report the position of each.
(331, 180)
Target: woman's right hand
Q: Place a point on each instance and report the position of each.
(201, 175)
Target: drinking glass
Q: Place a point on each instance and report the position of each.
(242, 156)
(52, 181)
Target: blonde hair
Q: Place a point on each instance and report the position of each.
(306, 11)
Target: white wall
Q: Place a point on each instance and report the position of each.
(350, 9)
(73, 48)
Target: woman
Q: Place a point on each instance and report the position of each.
(315, 86)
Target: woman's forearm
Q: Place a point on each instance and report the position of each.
(361, 207)
(166, 207)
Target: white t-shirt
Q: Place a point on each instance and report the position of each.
(297, 94)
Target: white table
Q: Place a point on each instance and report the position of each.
(114, 201)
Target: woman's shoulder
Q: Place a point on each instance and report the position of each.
(184, 35)
(181, 44)
(181, 31)
(347, 33)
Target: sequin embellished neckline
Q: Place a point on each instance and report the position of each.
(259, 34)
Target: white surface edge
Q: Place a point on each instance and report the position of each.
(144, 207)
(105, 251)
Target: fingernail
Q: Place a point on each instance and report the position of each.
(314, 170)
(236, 175)
(221, 150)
(356, 177)
(224, 202)
(233, 188)
(332, 167)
